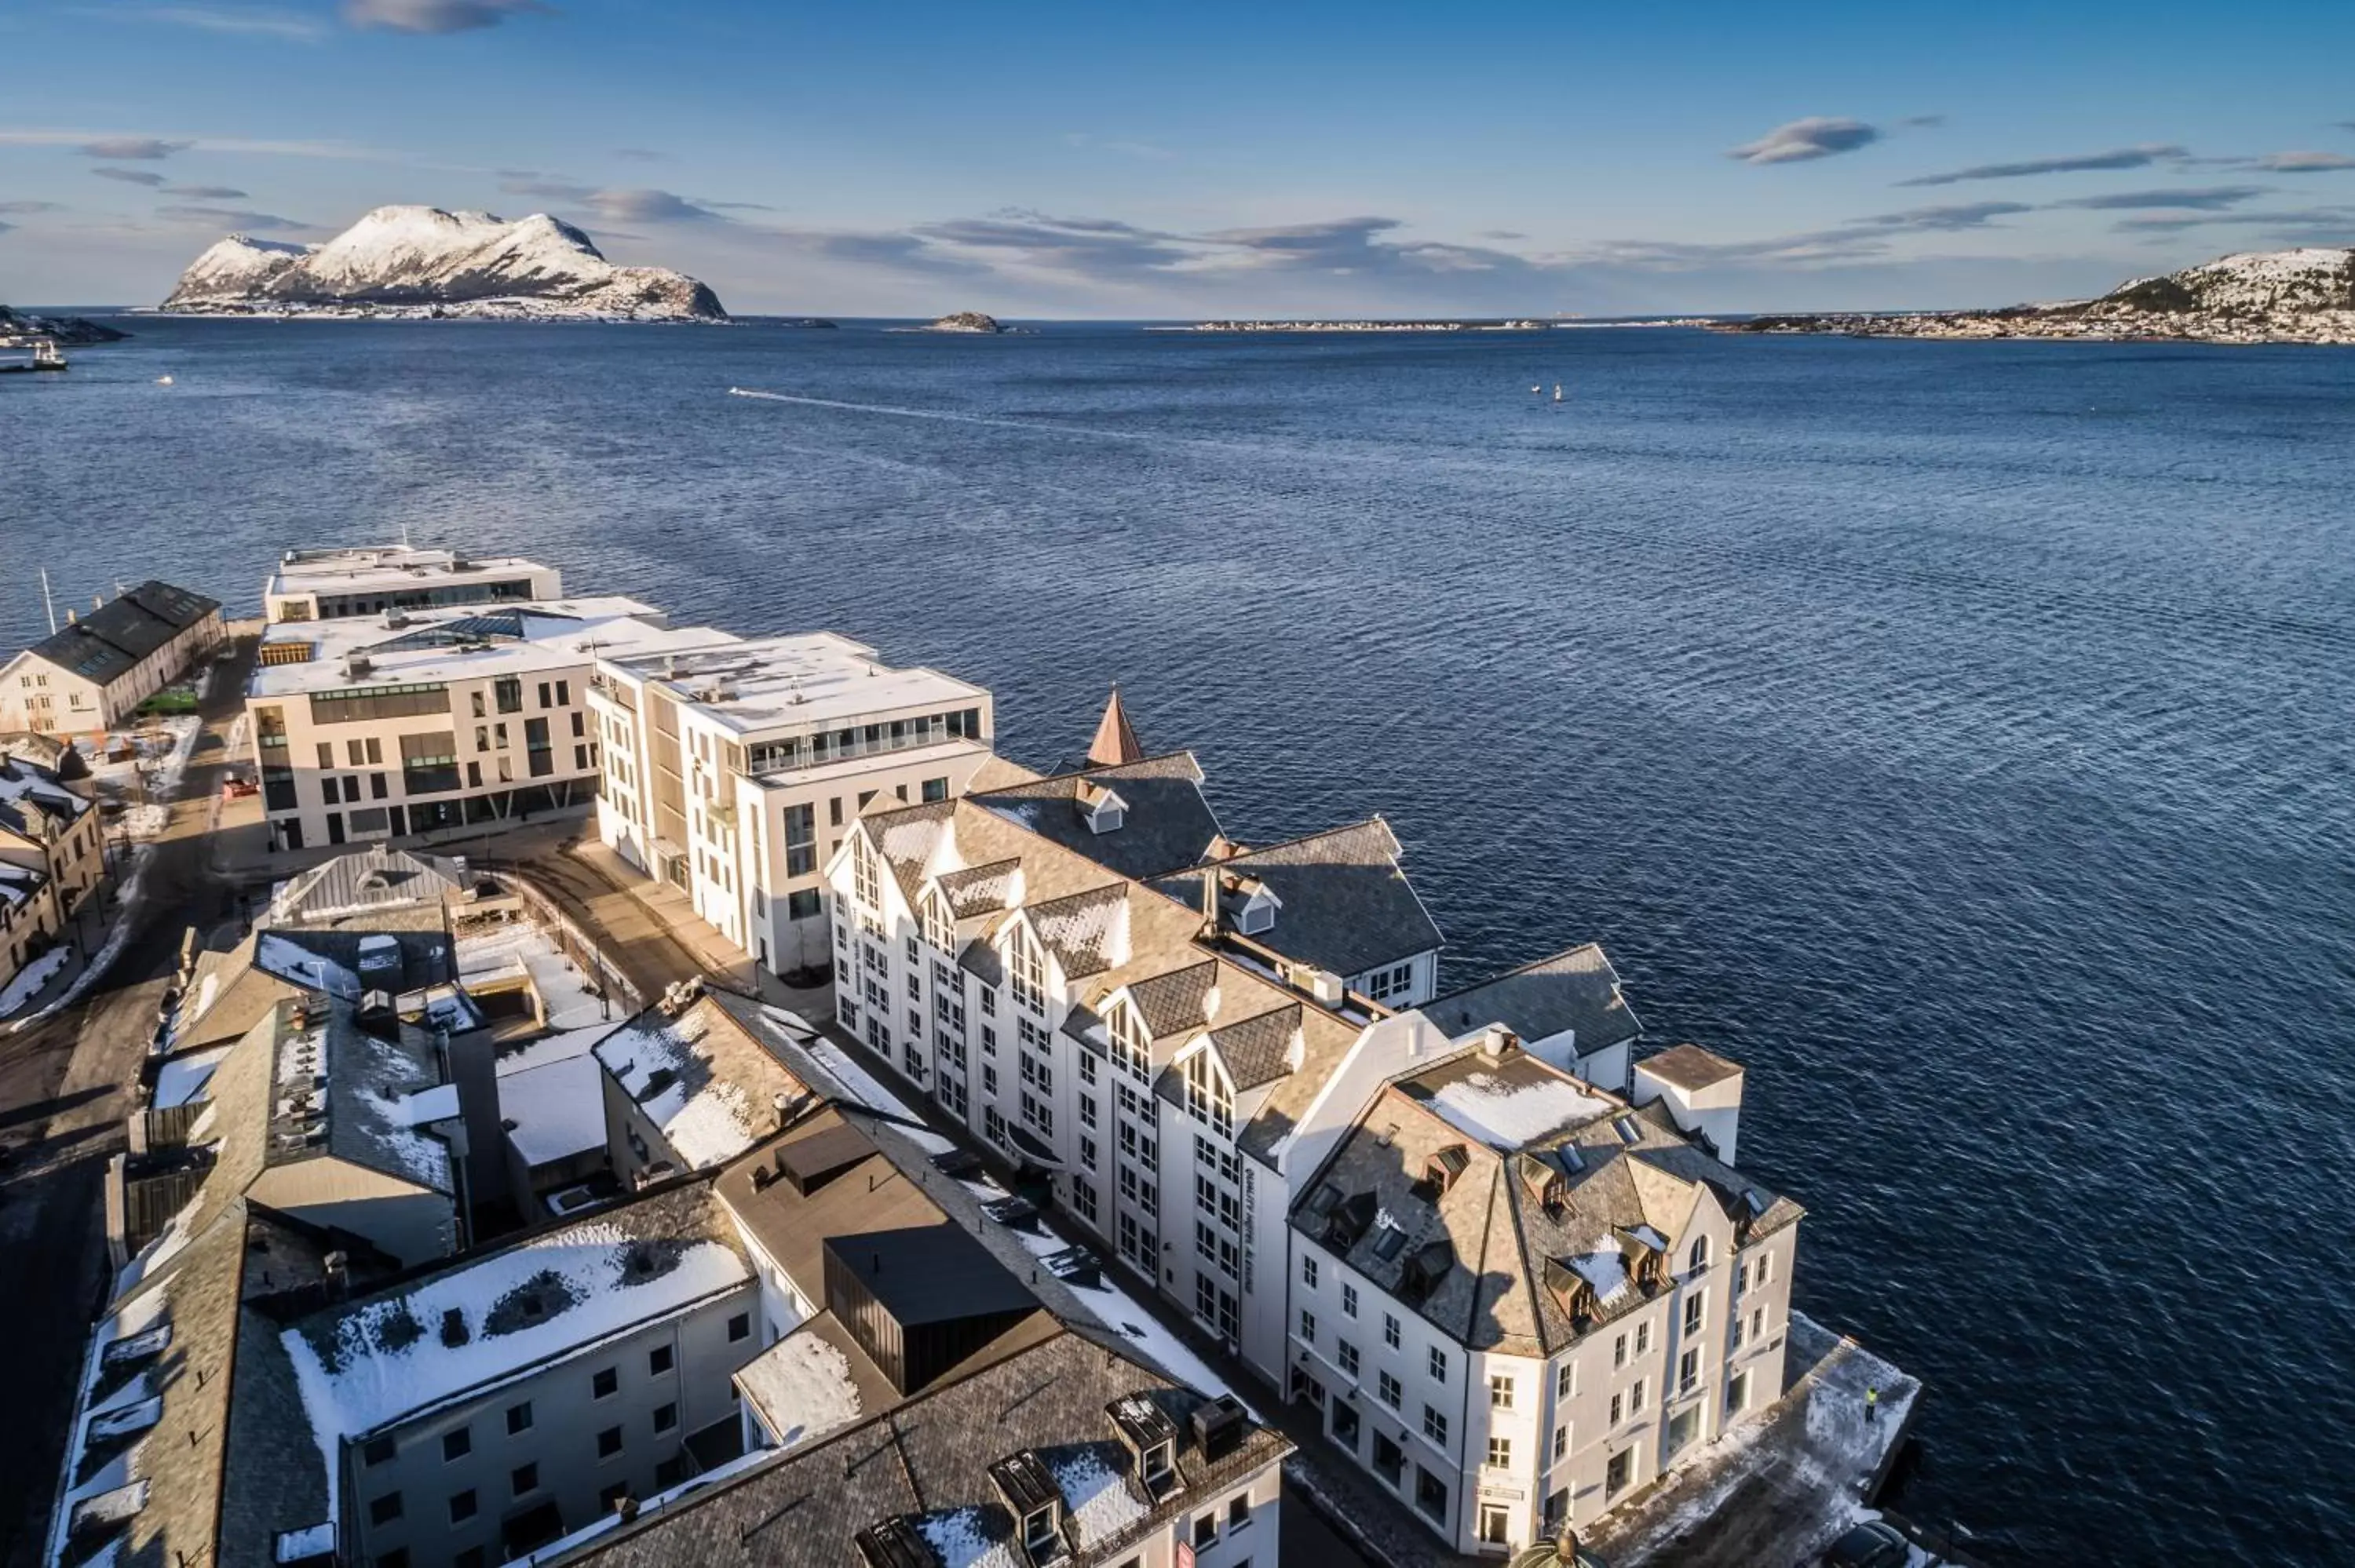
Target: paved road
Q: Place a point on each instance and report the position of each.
(64, 1091)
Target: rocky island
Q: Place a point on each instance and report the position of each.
(19, 330)
(420, 261)
(2273, 296)
(964, 320)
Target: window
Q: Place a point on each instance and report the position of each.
(1348, 1299)
(1238, 1512)
(1635, 1396)
(1308, 1327)
(1438, 1365)
(1500, 1392)
(1430, 1494)
(1565, 1380)
(1500, 1453)
(1348, 1354)
(457, 1444)
(1737, 1393)
(1688, 1370)
(523, 1478)
(1388, 1391)
(1029, 972)
(1697, 1256)
(1615, 1475)
(609, 1442)
(1618, 1408)
(1757, 1324)
(1765, 1267)
(1206, 1529)
(384, 1509)
(1696, 1311)
(607, 1382)
(1493, 1525)
(666, 1417)
(1618, 1350)
(1643, 1339)
(1083, 1199)
(801, 904)
(1039, 1538)
(518, 1418)
(800, 840)
(740, 1327)
(462, 1506)
(1389, 1330)
(658, 1360)
(834, 813)
(1390, 1459)
(1560, 1440)
(1435, 1424)
(377, 1452)
(1308, 1270)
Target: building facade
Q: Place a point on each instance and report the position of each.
(732, 771)
(52, 856)
(340, 584)
(92, 674)
(404, 722)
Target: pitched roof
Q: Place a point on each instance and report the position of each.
(1485, 1258)
(1115, 739)
(1169, 825)
(924, 1470)
(368, 882)
(111, 640)
(1577, 990)
(34, 801)
(1344, 906)
(706, 1083)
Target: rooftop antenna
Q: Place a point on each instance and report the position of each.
(47, 603)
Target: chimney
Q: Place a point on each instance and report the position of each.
(1210, 900)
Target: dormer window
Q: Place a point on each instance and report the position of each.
(1039, 1538)
(867, 881)
(1258, 913)
(1104, 810)
(940, 929)
(1208, 1097)
(1159, 1467)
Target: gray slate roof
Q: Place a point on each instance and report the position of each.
(1576, 989)
(1346, 906)
(1167, 827)
(111, 640)
(930, 1456)
(1491, 1228)
(372, 879)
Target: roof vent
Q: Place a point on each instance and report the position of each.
(1219, 1425)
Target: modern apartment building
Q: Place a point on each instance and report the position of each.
(338, 584)
(1517, 1299)
(92, 674)
(400, 722)
(733, 769)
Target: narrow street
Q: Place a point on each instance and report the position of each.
(65, 1087)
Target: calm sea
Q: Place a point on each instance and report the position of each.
(1958, 734)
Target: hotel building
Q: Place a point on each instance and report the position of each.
(92, 674)
(338, 584)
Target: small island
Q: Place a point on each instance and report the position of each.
(18, 330)
(964, 320)
(2276, 296)
(1230, 327)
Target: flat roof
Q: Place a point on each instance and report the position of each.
(930, 1273)
(458, 643)
(370, 566)
(807, 681)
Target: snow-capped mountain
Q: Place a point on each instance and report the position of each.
(2305, 295)
(422, 261)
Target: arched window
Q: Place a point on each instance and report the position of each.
(1697, 1257)
(939, 930)
(865, 877)
(1207, 1095)
(1029, 967)
(1129, 1049)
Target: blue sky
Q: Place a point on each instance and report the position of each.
(1049, 160)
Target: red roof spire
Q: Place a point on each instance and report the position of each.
(1116, 740)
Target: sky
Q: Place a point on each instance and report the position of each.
(1155, 162)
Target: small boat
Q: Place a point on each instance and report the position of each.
(162, 381)
(1536, 389)
(47, 355)
(1557, 391)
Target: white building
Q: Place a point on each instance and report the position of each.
(337, 584)
(1518, 1300)
(734, 768)
(376, 726)
(93, 673)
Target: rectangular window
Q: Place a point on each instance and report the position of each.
(1695, 1305)
(1616, 1474)
(1618, 1408)
(666, 1417)
(384, 1509)
(1435, 1424)
(936, 789)
(523, 1478)
(800, 840)
(605, 1384)
(1500, 1453)
(1308, 1264)
(1643, 1339)
(1618, 1352)
(457, 1444)
(658, 1360)
(1438, 1365)
(1308, 1327)
(1389, 1330)
(609, 1442)
(518, 1418)
(1388, 1390)
(1349, 1356)
(1688, 1370)
(462, 1506)
(1635, 1396)
(1500, 1392)
(1560, 1441)
(1348, 1299)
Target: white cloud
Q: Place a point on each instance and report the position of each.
(1816, 137)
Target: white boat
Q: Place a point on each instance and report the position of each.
(1557, 391)
(162, 381)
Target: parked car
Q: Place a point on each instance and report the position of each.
(1875, 1543)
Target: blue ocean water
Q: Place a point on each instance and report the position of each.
(1958, 734)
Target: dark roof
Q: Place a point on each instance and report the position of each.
(930, 1458)
(1577, 990)
(932, 1274)
(791, 1227)
(1345, 905)
(1169, 824)
(114, 638)
(1256, 1051)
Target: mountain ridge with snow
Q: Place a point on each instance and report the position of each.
(2301, 295)
(425, 260)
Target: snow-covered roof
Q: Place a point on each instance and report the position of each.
(801, 1387)
(458, 643)
(1507, 1112)
(373, 1360)
(556, 1110)
(707, 1086)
